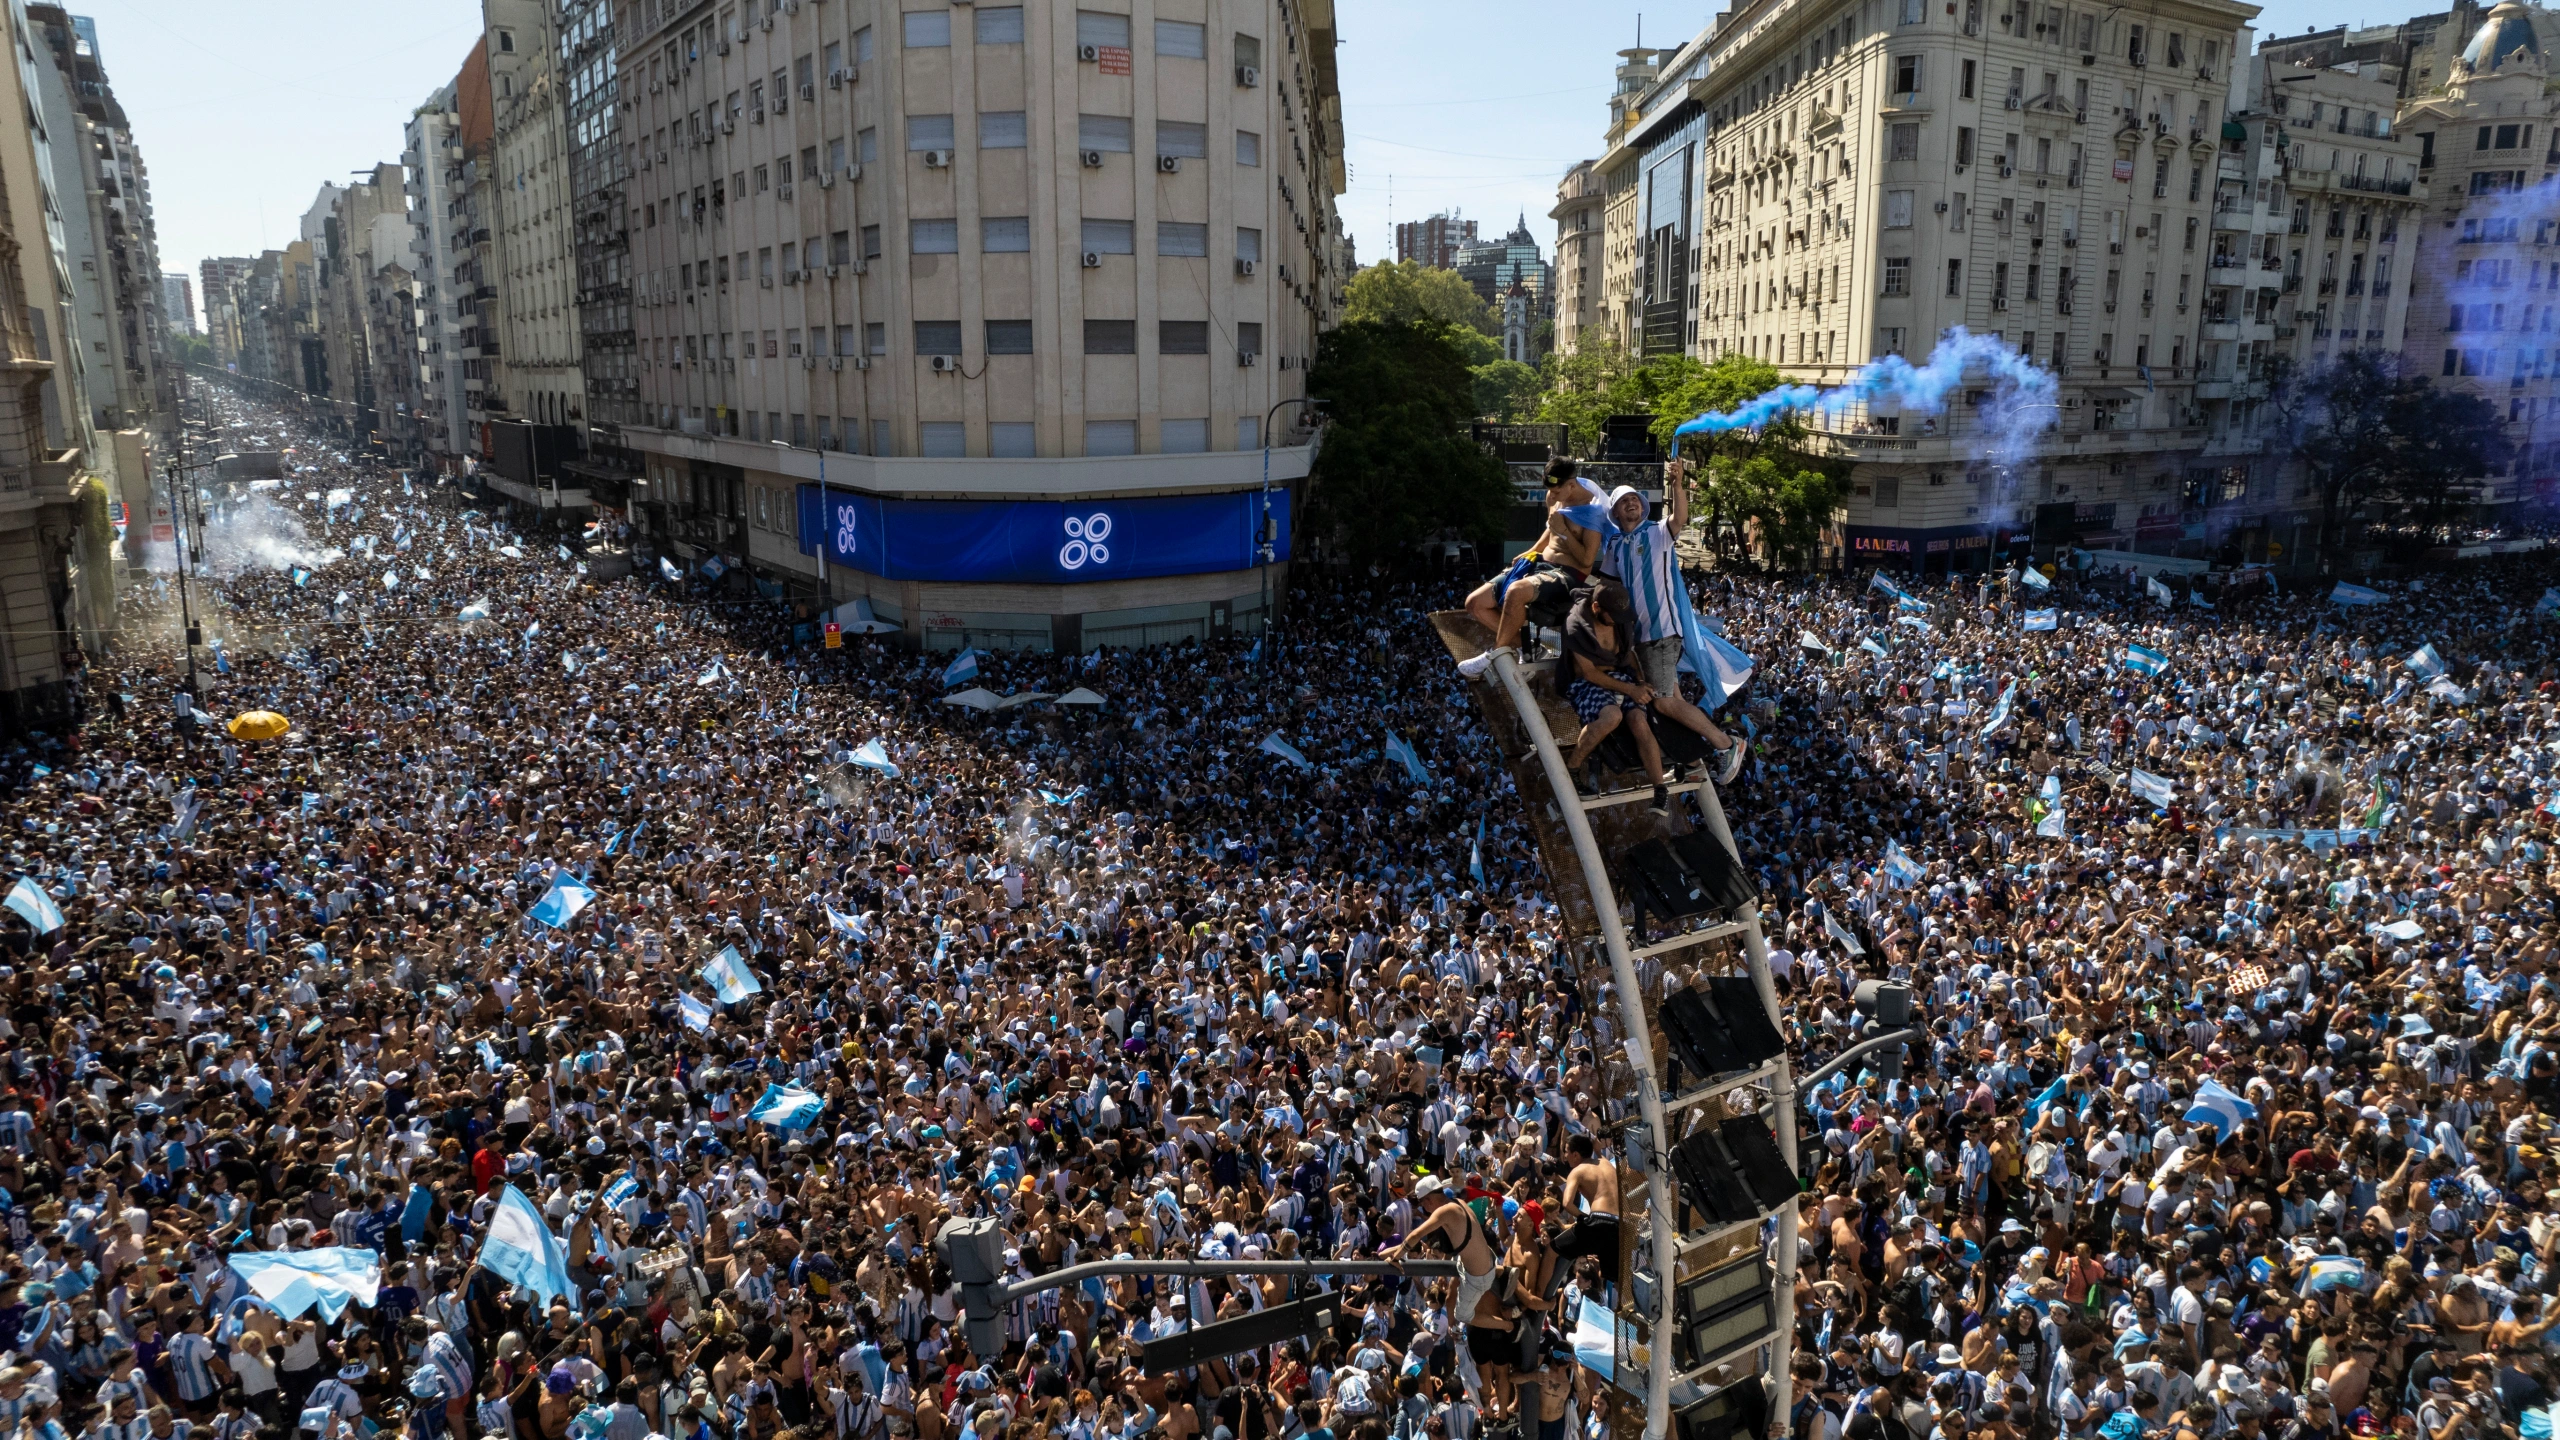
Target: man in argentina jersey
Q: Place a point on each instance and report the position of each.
(1643, 556)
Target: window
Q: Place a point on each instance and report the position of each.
(1008, 337)
(1003, 130)
(1005, 234)
(1248, 51)
(1249, 337)
(933, 237)
(926, 29)
(937, 337)
(1103, 132)
(870, 242)
(1906, 141)
(942, 439)
(1095, 28)
(1000, 25)
(1182, 337)
(862, 46)
(925, 132)
(506, 42)
(875, 338)
(1111, 337)
(845, 341)
(1181, 40)
(1011, 440)
(840, 248)
(866, 146)
(884, 438)
(1964, 145)
(1964, 82)
(1110, 237)
(1906, 73)
(1177, 238)
(1248, 148)
(1183, 437)
(1897, 275)
(1955, 279)
(1248, 432)
(1248, 244)
(1889, 340)
(1914, 11)
(1181, 137)
(1897, 209)
(1111, 437)
(1888, 492)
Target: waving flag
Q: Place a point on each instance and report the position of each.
(2000, 711)
(1272, 744)
(695, 1011)
(624, 1189)
(2346, 594)
(33, 905)
(2033, 578)
(2333, 1272)
(1868, 644)
(667, 568)
(1807, 640)
(295, 1281)
(1899, 867)
(184, 808)
(2157, 591)
(2159, 790)
(729, 977)
(875, 756)
(521, 1249)
(2219, 1108)
(1876, 581)
(712, 565)
(2043, 620)
(2045, 810)
(962, 670)
(2143, 660)
(1475, 856)
(1728, 668)
(2426, 662)
(561, 903)
(786, 1107)
(1401, 750)
(1832, 927)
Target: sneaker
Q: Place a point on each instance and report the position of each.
(1476, 665)
(1661, 804)
(1731, 765)
(1584, 785)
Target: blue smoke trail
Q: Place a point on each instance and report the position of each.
(2022, 404)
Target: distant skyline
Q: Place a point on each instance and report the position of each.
(1483, 117)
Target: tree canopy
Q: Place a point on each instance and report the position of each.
(2384, 443)
(1408, 292)
(1398, 466)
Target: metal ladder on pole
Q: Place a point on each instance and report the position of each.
(1571, 848)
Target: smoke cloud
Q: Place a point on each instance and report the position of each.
(259, 534)
(2021, 406)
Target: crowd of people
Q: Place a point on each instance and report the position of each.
(555, 882)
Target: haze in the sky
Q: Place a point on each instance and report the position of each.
(242, 108)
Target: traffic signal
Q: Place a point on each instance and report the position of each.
(973, 1246)
(1887, 1007)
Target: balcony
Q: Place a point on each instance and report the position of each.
(2229, 270)
(2221, 329)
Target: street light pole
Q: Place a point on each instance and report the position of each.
(1264, 551)
(826, 528)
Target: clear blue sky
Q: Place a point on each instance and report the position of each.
(242, 108)
(1483, 109)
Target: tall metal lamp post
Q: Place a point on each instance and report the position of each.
(1265, 538)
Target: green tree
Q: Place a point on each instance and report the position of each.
(1398, 466)
(1727, 383)
(1408, 292)
(1505, 389)
(1784, 504)
(2384, 444)
(1580, 390)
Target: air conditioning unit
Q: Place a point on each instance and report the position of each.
(790, 7)
(765, 280)
(767, 23)
(853, 171)
(729, 367)
(944, 364)
(724, 47)
(861, 362)
(782, 191)
(826, 179)
(1284, 274)
(835, 362)
(808, 90)
(1284, 362)
(1245, 358)
(1168, 164)
(861, 266)
(644, 162)
(1999, 302)
(836, 78)
(790, 277)
(729, 126)
(1088, 54)
(756, 115)
(1092, 159)
(781, 102)
(1248, 75)
(1093, 259)
(808, 362)
(2115, 247)
(937, 159)
(831, 271)
(1244, 267)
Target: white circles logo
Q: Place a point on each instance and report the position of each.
(845, 529)
(1084, 542)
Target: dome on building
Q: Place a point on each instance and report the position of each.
(2504, 39)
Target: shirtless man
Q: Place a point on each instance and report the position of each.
(1591, 1197)
(1459, 1229)
(1538, 587)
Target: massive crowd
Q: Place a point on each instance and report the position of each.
(1134, 984)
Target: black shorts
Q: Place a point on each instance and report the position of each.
(1491, 1346)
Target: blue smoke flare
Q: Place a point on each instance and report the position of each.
(2022, 404)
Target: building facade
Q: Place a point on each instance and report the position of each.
(178, 304)
(537, 375)
(1494, 267)
(1579, 264)
(1025, 271)
(1620, 237)
(599, 174)
(224, 277)
(1434, 240)
(432, 157)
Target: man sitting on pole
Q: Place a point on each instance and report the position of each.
(1537, 588)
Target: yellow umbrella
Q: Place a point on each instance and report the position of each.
(259, 725)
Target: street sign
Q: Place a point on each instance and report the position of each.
(1262, 1328)
(835, 636)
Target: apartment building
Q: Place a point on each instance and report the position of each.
(1621, 240)
(1000, 304)
(1434, 240)
(538, 375)
(1579, 264)
(432, 156)
(178, 304)
(1819, 184)
(223, 277)
(599, 174)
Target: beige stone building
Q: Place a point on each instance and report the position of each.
(1613, 303)
(1580, 266)
(1065, 266)
(529, 204)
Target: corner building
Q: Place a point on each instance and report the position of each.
(1022, 284)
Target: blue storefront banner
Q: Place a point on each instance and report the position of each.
(1039, 541)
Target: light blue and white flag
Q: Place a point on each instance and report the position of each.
(2157, 789)
(1272, 744)
(2333, 1272)
(624, 1189)
(293, 1282)
(2346, 594)
(1846, 937)
(2549, 602)
(33, 905)
(2000, 712)
(786, 1107)
(695, 1011)
(561, 903)
(2033, 578)
(841, 924)
(2049, 819)
(475, 611)
(2143, 660)
(1475, 856)
(729, 977)
(1728, 668)
(713, 567)
(2157, 591)
(521, 1250)
(2426, 662)
(489, 1060)
(667, 568)
(2219, 1108)
(2043, 620)
(1868, 644)
(1876, 581)
(961, 670)
(1915, 622)
(1899, 867)
(1911, 604)
(1401, 750)
(187, 804)
(875, 756)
